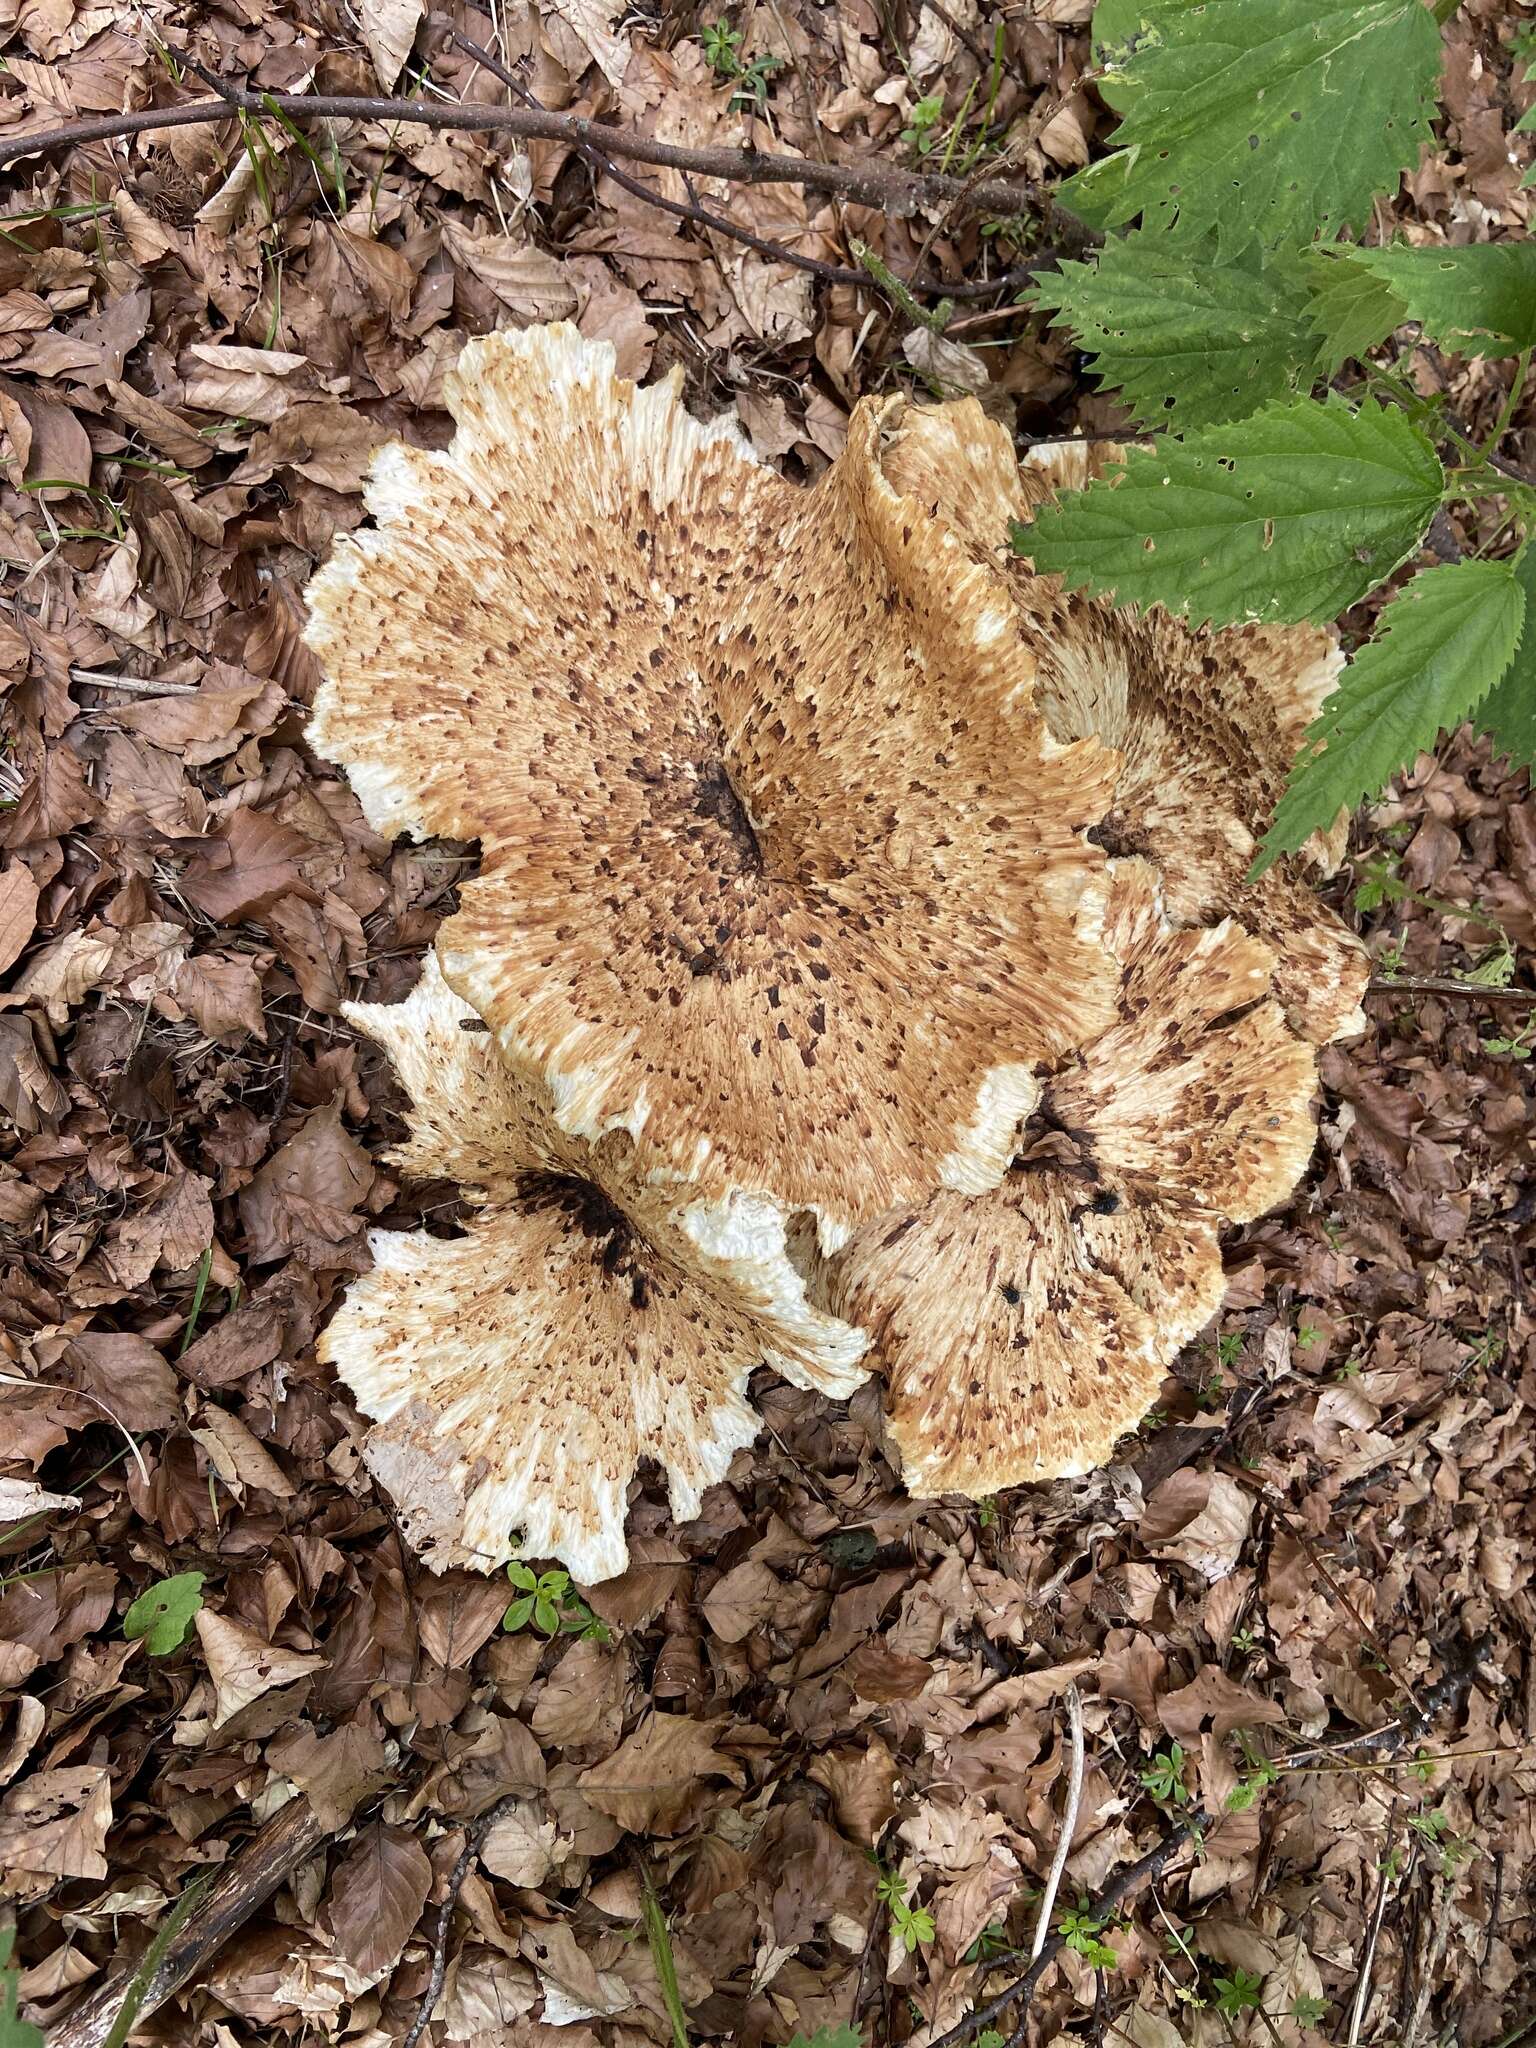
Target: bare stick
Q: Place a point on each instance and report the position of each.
(1120, 1888)
(828, 273)
(1363, 1988)
(1068, 1821)
(895, 192)
(461, 1869)
(241, 1887)
(1444, 985)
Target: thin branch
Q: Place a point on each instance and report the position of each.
(243, 1884)
(827, 273)
(1444, 985)
(892, 191)
(1114, 1894)
(1068, 1821)
(477, 1833)
(1363, 1987)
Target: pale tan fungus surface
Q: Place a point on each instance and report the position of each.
(1207, 723)
(516, 1375)
(1024, 1330)
(782, 873)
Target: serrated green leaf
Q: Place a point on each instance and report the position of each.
(1508, 712)
(1479, 301)
(1524, 126)
(1188, 342)
(163, 1612)
(829, 2037)
(1351, 312)
(1292, 514)
(1441, 645)
(15, 2032)
(1269, 121)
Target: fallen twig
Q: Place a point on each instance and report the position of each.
(892, 191)
(816, 266)
(243, 1885)
(1444, 985)
(1114, 1894)
(1068, 1821)
(478, 1831)
(1363, 1987)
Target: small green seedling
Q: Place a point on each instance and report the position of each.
(1307, 2010)
(722, 46)
(919, 134)
(163, 1613)
(1081, 1928)
(1164, 1776)
(1240, 1992)
(913, 1925)
(546, 1601)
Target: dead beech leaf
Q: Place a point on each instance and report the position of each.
(1200, 1518)
(128, 1376)
(243, 1665)
(239, 1458)
(591, 23)
(650, 1783)
(526, 279)
(737, 1603)
(52, 1826)
(221, 993)
(22, 1498)
(377, 1893)
(18, 912)
(243, 872)
(389, 29)
(520, 1847)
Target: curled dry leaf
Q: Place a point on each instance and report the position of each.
(1022, 1331)
(826, 920)
(517, 1374)
(1207, 723)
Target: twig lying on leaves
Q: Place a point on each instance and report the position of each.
(464, 1863)
(1445, 985)
(828, 273)
(243, 1885)
(892, 191)
(1115, 1893)
(1068, 1821)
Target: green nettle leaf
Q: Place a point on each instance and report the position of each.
(1188, 342)
(1269, 121)
(1352, 311)
(1509, 710)
(163, 1613)
(1479, 301)
(1292, 514)
(1440, 647)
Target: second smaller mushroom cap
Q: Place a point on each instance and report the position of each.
(516, 1375)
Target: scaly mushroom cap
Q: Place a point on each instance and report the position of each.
(516, 1375)
(1024, 1330)
(782, 873)
(1208, 723)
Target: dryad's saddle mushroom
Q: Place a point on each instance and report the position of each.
(849, 929)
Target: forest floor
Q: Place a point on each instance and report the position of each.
(826, 1732)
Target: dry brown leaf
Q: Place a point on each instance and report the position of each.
(389, 29)
(650, 1784)
(54, 1826)
(376, 1896)
(18, 912)
(243, 1665)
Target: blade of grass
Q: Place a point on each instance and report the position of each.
(152, 1958)
(666, 1965)
(199, 1289)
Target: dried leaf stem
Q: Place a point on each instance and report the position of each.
(1068, 1821)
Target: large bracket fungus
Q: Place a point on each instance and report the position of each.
(852, 930)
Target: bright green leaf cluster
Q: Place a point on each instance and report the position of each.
(1254, 133)
(546, 1600)
(1258, 121)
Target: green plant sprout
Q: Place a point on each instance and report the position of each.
(546, 1603)
(1241, 1992)
(722, 46)
(1081, 1929)
(912, 1925)
(926, 115)
(1163, 1777)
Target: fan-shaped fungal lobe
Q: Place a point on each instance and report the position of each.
(1023, 1330)
(1207, 723)
(783, 875)
(516, 1375)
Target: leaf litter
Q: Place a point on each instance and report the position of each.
(821, 1732)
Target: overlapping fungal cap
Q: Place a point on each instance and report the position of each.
(516, 1375)
(1207, 723)
(1023, 1330)
(783, 874)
